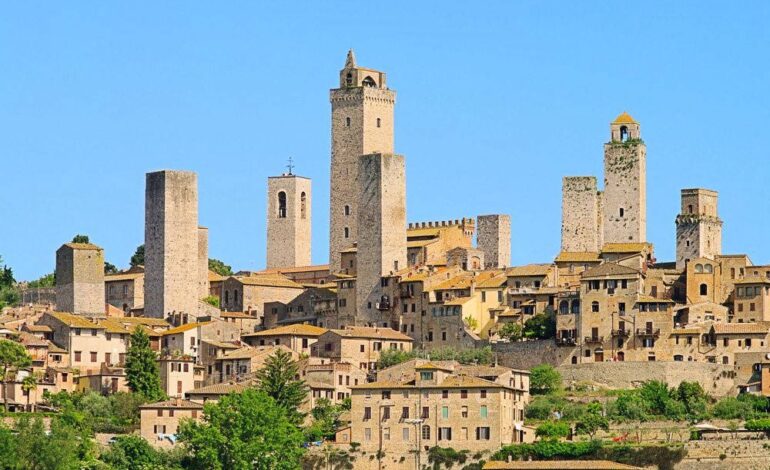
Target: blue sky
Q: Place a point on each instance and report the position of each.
(495, 104)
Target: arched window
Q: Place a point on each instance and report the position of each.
(349, 79)
(678, 358)
(574, 359)
(281, 205)
(347, 232)
(704, 289)
(302, 205)
(563, 307)
(575, 306)
(698, 268)
(347, 209)
(708, 268)
(426, 432)
(623, 133)
(595, 307)
(369, 81)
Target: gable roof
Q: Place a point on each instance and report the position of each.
(75, 321)
(625, 247)
(185, 327)
(529, 270)
(578, 257)
(221, 389)
(178, 404)
(371, 333)
(609, 269)
(290, 330)
(268, 280)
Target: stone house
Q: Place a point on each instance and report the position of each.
(159, 421)
(247, 322)
(186, 339)
(316, 305)
(359, 345)
(241, 363)
(298, 338)
(125, 290)
(246, 293)
(331, 380)
(106, 380)
(177, 375)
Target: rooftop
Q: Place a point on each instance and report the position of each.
(290, 330)
(178, 404)
(185, 327)
(528, 270)
(610, 269)
(624, 118)
(372, 333)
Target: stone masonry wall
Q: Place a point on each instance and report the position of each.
(171, 243)
(203, 262)
(580, 214)
(494, 239)
(625, 170)
(80, 279)
(288, 235)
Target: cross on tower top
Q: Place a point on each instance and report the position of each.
(290, 165)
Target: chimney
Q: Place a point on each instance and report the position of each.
(178, 401)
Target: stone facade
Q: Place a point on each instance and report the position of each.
(80, 279)
(159, 422)
(625, 183)
(698, 227)
(362, 123)
(177, 375)
(203, 263)
(494, 239)
(581, 215)
(382, 231)
(288, 221)
(171, 243)
(125, 290)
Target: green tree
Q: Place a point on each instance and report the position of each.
(8, 449)
(137, 258)
(220, 268)
(544, 379)
(212, 300)
(110, 268)
(131, 452)
(278, 379)
(243, 431)
(28, 384)
(80, 239)
(9, 293)
(629, 406)
(392, 357)
(552, 430)
(13, 357)
(694, 399)
(592, 421)
(142, 372)
(326, 420)
(48, 280)
(656, 396)
(540, 326)
(511, 331)
(125, 408)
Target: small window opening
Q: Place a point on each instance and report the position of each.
(281, 205)
(302, 205)
(623, 134)
(347, 122)
(622, 211)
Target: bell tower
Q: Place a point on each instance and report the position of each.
(362, 123)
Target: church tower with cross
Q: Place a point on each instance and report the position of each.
(362, 124)
(288, 220)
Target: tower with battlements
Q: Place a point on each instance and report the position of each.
(362, 123)
(80, 279)
(288, 221)
(625, 183)
(698, 226)
(494, 239)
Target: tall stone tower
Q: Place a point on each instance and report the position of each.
(581, 215)
(362, 123)
(698, 226)
(171, 276)
(382, 232)
(80, 279)
(288, 221)
(494, 239)
(203, 262)
(625, 183)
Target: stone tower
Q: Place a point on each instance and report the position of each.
(362, 123)
(698, 226)
(581, 215)
(288, 221)
(171, 276)
(494, 239)
(80, 279)
(382, 232)
(625, 183)
(203, 262)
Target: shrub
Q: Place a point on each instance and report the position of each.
(733, 408)
(552, 430)
(758, 425)
(544, 379)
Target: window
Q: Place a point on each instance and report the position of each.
(160, 413)
(369, 82)
(281, 205)
(464, 411)
(405, 434)
(622, 212)
(463, 393)
(483, 393)
(367, 412)
(346, 232)
(303, 205)
(426, 375)
(347, 209)
(426, 433)
(378, 122)
(595, 307)
(368, 434)
(445, 412)
(385, 413)
(444, 434)
(347, 122)
(482, 434)
(93, 332)
(704, 290)
(425, 412)
(107, 357)
(386, 394)
(483, 411)
(405, 412)
(93, 356)
(445, 394)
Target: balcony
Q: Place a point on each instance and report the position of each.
(384, 303)
(593, 339)
(621, 333)
(648, 332)
(566, 341)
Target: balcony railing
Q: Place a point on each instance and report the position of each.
(621, 333)
(593, 339)
(566, 341)
(648, 332)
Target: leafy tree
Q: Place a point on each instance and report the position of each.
(13, 357)
(552, 430)
(544, 379)
(694, 399)
(278, 380)
(8, 449)
(326, 420)
(540, 326)
(110, 268)
(9, 294)
(80, 239)
(392, 357)
(125, 408)
(137, 258)
(472, 323)
(243, 431)
(592, 421)
(48, 280)
(629, 406)
(220, 268)
(142, 372)
(656, 396)
(212, 300)
(28, 384)
(63, 448)
(733, 408)
(131, 452)
(511, 331)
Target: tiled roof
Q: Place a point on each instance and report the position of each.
(558, 465)
(38, 328)
(741, 328)
(625, 247)
(112, 326)
(372, 333)
(122, 277)
(528, 270)
(420, 243)
(185, 327)
(624, 118)
(496, 280)
(237, 315)
(458, 301)
(646, 299)
(577, 257)
(452, 381)
(248, 352)
(290, 330)
(422, 232)
(178, 404)
(147, 321)
(221, 389)
(216, 277)
(432, 366)
(753, 280)
(463, 280)
(55, 348)
(690, 330)
(220, 344)
(609, 269)
(75, 321)
(298, 269)
(269, 280)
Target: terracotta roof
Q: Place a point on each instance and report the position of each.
(741, 328)
(646, 299)
(753, 280)
(221, 389)
(290, 330)
(577, 257)
(458, 301)
(625, 247)
(147, 321)
(216, 277)
(464, 279)
(248, 352)
(28, 339)
(75, 321)
(691, 330)
(528, 270)
(558, 465)
(452, 381)
(496, 280)
(237, 315)
(82, 246)
(609, 269)
(624, 118)
(38, 328)
(220, 344)
(55, 348)
(485, 371)
(372, 333)
(178, 404)
(432, 366)
(419, 274)
(122, 277)
(269, 280)
(185, 327)
(420, 243)
(298, 269)
(112, 326)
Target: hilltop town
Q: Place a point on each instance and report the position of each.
(420, 331)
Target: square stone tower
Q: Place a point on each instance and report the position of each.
(494, 239)
(581, 215)
(382, 232)
(172, 266)
(203, 262)
(362, 123)
(288, 221)
(80, 279)
(625, 183)
(698, 227)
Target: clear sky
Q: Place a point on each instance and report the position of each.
(496, 102)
